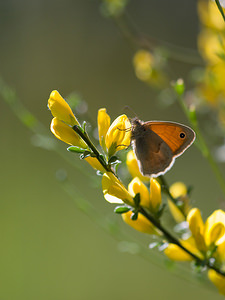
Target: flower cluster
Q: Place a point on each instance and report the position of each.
(140, 203)
(206, 241)
(211, 41)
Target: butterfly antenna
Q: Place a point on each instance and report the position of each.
(127, 107)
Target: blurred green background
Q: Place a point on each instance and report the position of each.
(49, 248)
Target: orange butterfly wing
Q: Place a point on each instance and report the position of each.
(177, 136)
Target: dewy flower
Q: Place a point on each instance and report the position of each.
(205, 237)
(179, 191)
(118, 134)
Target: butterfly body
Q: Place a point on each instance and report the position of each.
(156, 144)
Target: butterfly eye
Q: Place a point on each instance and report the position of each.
(182, 135)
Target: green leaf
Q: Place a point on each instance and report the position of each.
(114, 160)
(161, 210)
(86, 154)
(134, 216)
(121, 209)
(137, 199)
(76, 149)
(189, 190)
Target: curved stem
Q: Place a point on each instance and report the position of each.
(165, 188)
(87, 140)
(171, 239)
(201, 144)
(220, 9)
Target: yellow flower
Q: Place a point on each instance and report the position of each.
(142, 224)
(66, 134)
(220, 252)
(61, 109)
(133, 168)
(218, 280)
(179, 191)
(197, 228)
(155, 195)
(103, 126)
(148, 68)
(137, 186)
(152, 200)
(210, 15)
(95, 163)
(212, 233)
(212, 86)
(118, 135)
(211, 45)
(204, 236)
(114, 191)
(174, 252)
(215, 228)
(143, 63)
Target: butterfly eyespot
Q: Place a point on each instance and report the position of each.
(182, 135)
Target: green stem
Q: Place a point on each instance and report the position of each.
(220, 9)
(87, 140)
(171, 239)
(201, 144)
(165, 188)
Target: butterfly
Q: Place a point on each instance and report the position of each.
(156, 144)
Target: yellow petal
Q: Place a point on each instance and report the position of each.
(215, 228)
(133, 168)
(210, 44)
(155, 195)
(61, 109)
(210, 15)
(175, 211)
(103, 125)
(118, 135)
(196, 227)
(220, 252)
(179, 190)
(137, 186)
(174, 252)
(142, 224)
(95, 163)
(114, 191)
(66, 134)
(218, 280)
